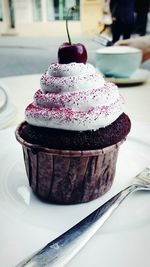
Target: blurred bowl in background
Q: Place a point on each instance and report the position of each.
(118, 61)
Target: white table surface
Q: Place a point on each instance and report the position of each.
(137, 98)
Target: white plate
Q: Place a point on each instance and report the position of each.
(3, 98)
(26, 224)
(7, 115)
(7, 109)
(138, 77)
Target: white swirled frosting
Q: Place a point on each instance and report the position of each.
(74, 97)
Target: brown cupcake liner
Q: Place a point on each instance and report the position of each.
(67, 177)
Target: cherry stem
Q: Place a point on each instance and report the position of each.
(71, 9)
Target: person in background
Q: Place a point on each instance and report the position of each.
(142, 43)
(141, 8)
(122, 12)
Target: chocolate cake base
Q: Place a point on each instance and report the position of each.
(69, 167)
(68, 176)
(75, 140)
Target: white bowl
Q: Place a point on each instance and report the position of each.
(118, 61)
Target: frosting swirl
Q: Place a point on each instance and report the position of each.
(70, 77)
(75, 97)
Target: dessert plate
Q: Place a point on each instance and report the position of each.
(138, 77)
(3, 98)
(7, 115)
(27, 224)
(7, 109)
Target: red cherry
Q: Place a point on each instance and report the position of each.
(69, 52)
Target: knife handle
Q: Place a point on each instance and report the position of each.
(62, 249)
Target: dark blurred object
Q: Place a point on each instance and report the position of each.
(122, 12)
(109, 43)
(103, 40)
(142, 8)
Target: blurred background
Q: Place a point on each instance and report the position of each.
(45, 17)
(32, 30)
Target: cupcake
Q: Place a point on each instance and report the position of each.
(72, 131)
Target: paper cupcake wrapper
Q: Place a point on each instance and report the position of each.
(67, 176)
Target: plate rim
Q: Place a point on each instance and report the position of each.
(129, 80)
